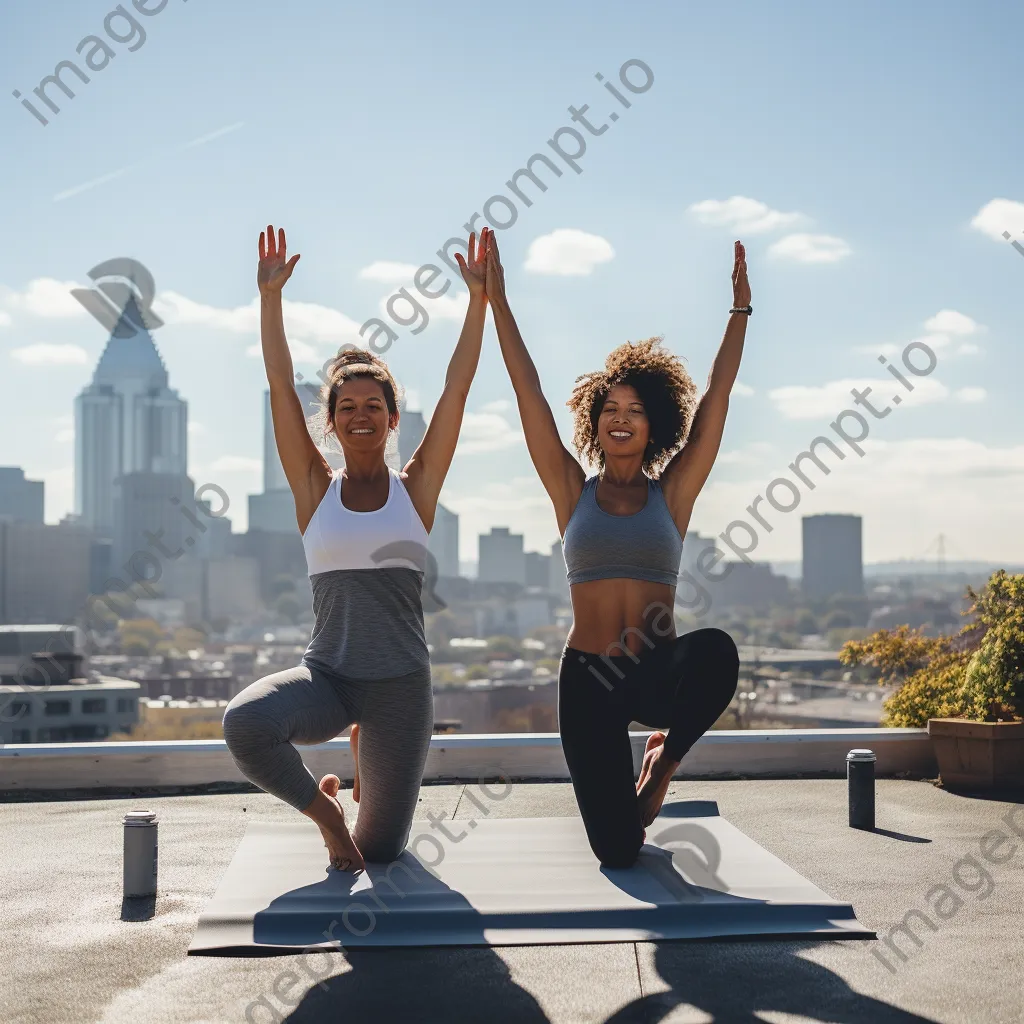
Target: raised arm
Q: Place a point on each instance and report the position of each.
(428, 467)
(561, 475)
(686, 474)
(307, 471)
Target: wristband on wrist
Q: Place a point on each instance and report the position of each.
(742, 309)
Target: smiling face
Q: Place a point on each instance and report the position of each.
(622, 425)
(361, 416)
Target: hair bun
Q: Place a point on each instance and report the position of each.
(349, 354)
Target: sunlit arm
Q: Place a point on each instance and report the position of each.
(561, 475)
(298, 453)
(429, 464)
(689, 469)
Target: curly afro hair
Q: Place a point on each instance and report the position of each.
(664, 386)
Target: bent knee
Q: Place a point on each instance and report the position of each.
(243, 727)
(720, 646)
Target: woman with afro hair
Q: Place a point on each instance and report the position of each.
(640, 422)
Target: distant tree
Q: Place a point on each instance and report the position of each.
(504, 646)
(806, 623)
(288, 606)
(139, 636)
(838, 619)
(477, 672)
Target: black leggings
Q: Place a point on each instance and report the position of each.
(682, 686)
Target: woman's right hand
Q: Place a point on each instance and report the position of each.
(495, 281)
(274, 269)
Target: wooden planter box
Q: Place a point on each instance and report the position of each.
(978, 755)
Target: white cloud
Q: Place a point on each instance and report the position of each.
(66, 431)
(997, 216)
(195, 428)
(949, 321)
(739, 388)
(743, 215)
(306, 323)
(450, 306)
(973, 394)
(44, 297)
(499, 405)
(236, 464)
(802, 402)
(301, 352)
(486, 432)
(943, 324)
(568, 252)
(389, 272)
(177, 309)
(51, 355)
(805, 248)
(5, 319)
(907, 491)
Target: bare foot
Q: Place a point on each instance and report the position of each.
(656, 739)
(327, 812)
(651, 794)
(354, 740)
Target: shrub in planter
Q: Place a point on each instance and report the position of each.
(967, 689)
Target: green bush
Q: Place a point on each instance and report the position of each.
(977, 674)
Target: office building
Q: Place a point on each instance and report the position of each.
(273, 511)
(502, 559)
(832, 556)
(155, 513)
(45, 571)
(411, 428)
(558, 582)
(538, 569)
(443, 542)
(20, 499)
(127, 420)
(694, 547)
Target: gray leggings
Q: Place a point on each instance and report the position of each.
(309, 705)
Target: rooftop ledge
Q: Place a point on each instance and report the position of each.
(175, 764)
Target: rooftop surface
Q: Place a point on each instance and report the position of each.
(74, 957)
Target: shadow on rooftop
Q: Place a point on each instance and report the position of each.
(737, 982)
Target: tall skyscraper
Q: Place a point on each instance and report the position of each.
(274, 509)
(20, 499)
(502, 559)
(127, 420)
(411, 428)
(832, 555)
(558, 582)
(443, 542)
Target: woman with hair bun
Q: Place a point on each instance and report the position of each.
(639, 421)
(364, 529)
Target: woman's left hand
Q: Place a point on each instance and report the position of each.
(474, 269)
(740, 285)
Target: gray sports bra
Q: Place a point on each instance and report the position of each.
(600, 546)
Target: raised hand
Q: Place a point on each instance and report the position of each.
(495, 280)
(275, 268)
(474, 269)
(740, 285)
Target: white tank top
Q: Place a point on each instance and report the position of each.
(392, 536)
(366, 570)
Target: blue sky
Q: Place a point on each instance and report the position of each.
(861, 152)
